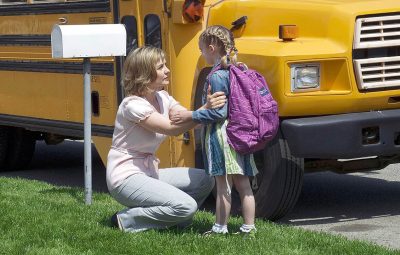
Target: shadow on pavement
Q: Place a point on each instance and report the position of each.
(63, 165)
(329, 198)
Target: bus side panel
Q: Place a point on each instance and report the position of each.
(34, 85)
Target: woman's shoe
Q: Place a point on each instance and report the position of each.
(115, 221)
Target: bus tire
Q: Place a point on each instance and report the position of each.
(279, 180)
(20, 148)
(3, 146)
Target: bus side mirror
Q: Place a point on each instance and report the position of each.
(187, 11)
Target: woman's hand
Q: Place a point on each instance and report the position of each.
(216, 100)
(180, 117)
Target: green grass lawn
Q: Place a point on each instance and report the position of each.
(39, 218)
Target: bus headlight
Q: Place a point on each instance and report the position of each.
(305, 77)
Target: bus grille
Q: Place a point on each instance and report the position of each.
(377, 32)
(383, 32)
(375, 73)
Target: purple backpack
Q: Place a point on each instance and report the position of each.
(252, 112)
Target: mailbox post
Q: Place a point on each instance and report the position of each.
(87, 41)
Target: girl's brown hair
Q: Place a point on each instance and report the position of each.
(221, 38)
(140, 69)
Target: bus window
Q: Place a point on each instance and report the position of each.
(152, 30)
(131, 33)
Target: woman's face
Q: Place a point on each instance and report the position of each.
(162, 78)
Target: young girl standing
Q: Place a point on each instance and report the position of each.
(216, 44)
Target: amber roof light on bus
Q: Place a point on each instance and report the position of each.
(288, 32)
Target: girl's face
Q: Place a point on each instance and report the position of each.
(208, 52)
(162, 79)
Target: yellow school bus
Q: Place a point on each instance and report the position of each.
(332, 65)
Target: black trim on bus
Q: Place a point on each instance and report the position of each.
(42, 40)
(118, 66)
(56, 67)
(50, 8)
(116, 11)
(118, 60)
(65, 128)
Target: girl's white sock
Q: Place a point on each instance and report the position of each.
(247, 228)
(218, 228)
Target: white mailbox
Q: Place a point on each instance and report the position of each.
(86, 41)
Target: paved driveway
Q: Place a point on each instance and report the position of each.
(361, 205)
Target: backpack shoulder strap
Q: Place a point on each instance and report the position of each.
(213, 70)
(242, 66)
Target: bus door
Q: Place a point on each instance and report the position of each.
(128, 15)
(144, 22)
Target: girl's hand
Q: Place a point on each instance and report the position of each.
(216, 100)
(180, 117)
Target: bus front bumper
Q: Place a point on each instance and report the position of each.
(344, 136)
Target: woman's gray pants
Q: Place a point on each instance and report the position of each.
(171, 200)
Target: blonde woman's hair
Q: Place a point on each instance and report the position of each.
(140, 70)
(221, 38)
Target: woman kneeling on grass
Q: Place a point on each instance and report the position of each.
(155, 198)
